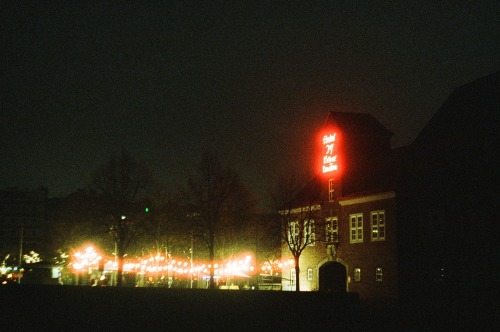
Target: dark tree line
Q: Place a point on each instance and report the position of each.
(221, 205)
(126, 211)
(119, 190)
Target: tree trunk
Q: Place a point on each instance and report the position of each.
(297, 274)
(119, 273)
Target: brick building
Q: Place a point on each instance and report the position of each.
(448, 197)
(345, 217)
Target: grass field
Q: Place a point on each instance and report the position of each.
(69, 308)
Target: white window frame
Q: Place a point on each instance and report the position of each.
(309, 232)
(378, 225)
(332, 230)
(356, 228)
(357, 274)
(331, 190)
(309, 274)
(293, 232)
(292, 277)
(379, 274)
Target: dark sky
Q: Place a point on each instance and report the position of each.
(80, 81)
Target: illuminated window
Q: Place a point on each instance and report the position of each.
(332, 230)
(356, 227)
(309, 233)
(331, 190)
(378, 225)
(378, 274)
(309, 274)
(293, 232)
(357, 274)
(292, 277)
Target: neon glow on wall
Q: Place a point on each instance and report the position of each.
(330, 153)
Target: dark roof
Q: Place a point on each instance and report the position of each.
(310, 194)
(456, 152)
(366, 172)
(471, 113)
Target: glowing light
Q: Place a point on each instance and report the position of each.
(88, 260)
(330, 151)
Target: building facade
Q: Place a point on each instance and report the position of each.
(348, 232)
(448, 198)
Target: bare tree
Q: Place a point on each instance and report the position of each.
(119, 189)
(167, 229)
(298, 206)
(164, 219)
(71, 222)
(217, 198)
(236, 223)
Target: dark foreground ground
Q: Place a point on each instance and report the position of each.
(67, 308)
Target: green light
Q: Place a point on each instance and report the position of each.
(146, 209)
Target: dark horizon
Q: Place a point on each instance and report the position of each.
(252, 82)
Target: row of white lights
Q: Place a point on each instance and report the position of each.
(90, 259)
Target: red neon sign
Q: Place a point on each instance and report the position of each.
(330, 153)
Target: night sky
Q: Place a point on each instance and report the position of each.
(80, 81)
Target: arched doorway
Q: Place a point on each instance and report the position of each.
(332, 277)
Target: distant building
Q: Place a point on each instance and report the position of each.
(448, 196)
(351, 225)
(41, 273)
(22, 220)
